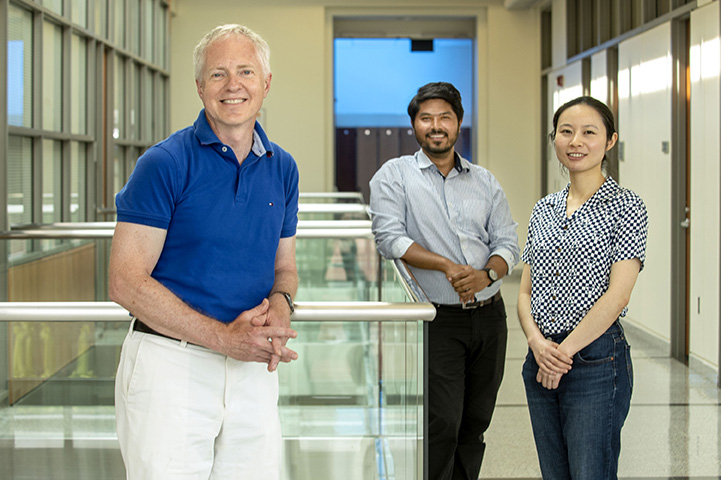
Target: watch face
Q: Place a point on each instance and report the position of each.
(492, 274)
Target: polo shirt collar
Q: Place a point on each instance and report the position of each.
(261, 145)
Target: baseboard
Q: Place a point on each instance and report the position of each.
(696, 365)
(704, 369)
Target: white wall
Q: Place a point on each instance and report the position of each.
(705, 184)
(564, 84)
(599, 76)
(513, 111)
(644, 111)
(295, 107)
(299, 109)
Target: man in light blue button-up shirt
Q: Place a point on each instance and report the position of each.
(451, 222)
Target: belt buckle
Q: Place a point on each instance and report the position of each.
(469, 305)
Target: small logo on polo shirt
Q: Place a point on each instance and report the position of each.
(270, 204)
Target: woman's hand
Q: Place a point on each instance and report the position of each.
(549, 381)
(549, 358)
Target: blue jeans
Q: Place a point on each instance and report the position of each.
(577, 427)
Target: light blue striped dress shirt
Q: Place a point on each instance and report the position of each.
(464, 217)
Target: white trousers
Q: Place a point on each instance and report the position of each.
(186, 412)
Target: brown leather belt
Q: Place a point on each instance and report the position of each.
(470, 306)
(139, 326)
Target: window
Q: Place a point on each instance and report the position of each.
(591, 23)
(52, 76)
(73, 67)
(20, 67)
(78, 85)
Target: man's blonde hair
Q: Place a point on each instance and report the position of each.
(261, 47)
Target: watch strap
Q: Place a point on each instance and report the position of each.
(488, 271)
(287, 297)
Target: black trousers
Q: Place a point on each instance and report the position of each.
(467, 354)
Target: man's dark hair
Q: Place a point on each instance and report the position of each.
(444, 91)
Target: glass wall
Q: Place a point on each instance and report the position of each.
(74, 67)
(81, 81)
(351, 406)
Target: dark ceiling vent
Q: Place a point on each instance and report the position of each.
(421, 45)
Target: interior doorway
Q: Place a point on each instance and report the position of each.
(376, 75)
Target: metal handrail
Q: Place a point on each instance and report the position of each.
(310, 311)
(336, 195)
(338, 224)
(421, 309)
(100, 233)
(303, 208)
(332, 208)
(304, 312)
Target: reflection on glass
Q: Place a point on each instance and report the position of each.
(149, 26)
(353, 398)
(77, 182)
(135, 103)
(119, 98)
(52, 187)
(118, 169)
(160, 96)
(19, 187)
(78, 85)
(20, 67)
(161, 54)
(54, 6)
(101, 18)
(331, 269)
(119, 17)
(52, 71)
(80, 12)
(134, 19)
(149, 117)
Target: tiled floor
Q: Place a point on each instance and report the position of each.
(673, 430)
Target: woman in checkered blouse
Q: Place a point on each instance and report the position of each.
(586, 246)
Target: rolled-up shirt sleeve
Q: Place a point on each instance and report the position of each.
(387, 209)
(502, 228)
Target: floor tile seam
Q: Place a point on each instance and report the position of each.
(502, 404)
(677, 404)
(619, 478)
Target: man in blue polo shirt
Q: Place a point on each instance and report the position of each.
(203, 257)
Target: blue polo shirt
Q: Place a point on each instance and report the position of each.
(223, 220)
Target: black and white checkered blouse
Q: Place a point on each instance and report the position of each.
(571, 258)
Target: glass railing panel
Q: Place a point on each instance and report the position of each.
(72, 270)
(332, 269)
(354, 397)
(332, 211)
(331, 197)
(351, 394)
(63, 363)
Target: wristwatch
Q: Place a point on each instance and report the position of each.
(492, 275)
(286, 295)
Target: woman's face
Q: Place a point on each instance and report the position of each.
(581, 141)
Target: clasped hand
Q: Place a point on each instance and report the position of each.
(467, 281)
(260, 335)
(552, 362)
